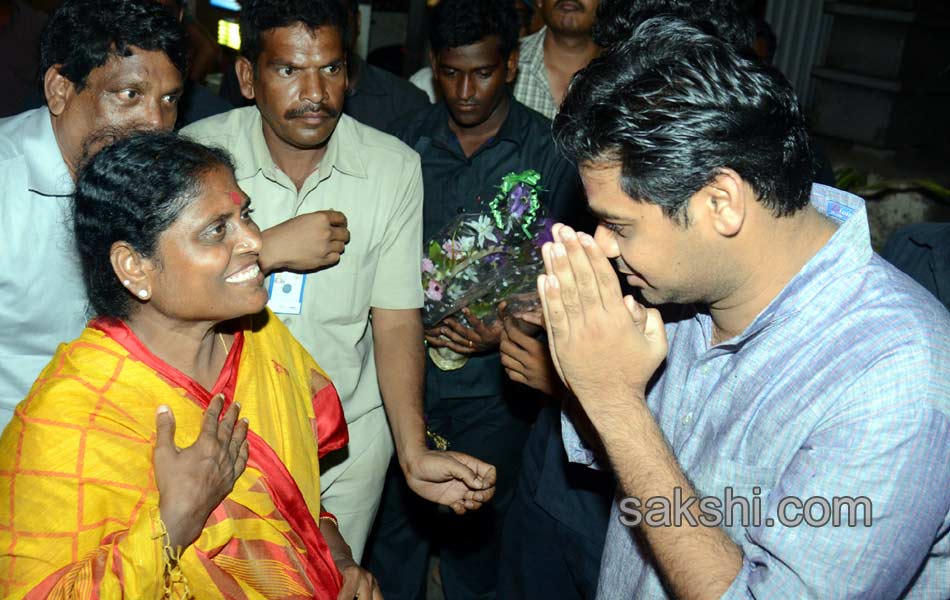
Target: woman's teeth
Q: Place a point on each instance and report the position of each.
(244, 274)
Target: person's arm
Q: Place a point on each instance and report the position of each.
(698, 562)
(357, 582)
(449, 478)
(606, 348)
(400, 367)
(307, 242)
(888, 453)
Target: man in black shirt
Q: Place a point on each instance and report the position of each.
(468, 141)
(376, 97)
(922, 250)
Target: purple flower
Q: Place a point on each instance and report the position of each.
(434, 291)
(427, 265)
(545, 235)
(519, 200)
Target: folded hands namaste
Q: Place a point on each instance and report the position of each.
(605, 346)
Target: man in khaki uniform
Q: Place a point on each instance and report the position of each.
(341, 205)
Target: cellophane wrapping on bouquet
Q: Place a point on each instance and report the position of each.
(480, 260)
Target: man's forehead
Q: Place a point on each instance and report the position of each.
(298, 38)
(139, 62)
(486, 52)
(605, 196)
(601, 173)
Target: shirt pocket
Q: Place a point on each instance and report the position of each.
(341, 294)
(742, 491)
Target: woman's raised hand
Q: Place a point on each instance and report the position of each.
(193, 481)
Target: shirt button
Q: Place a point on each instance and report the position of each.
(460, 210)
(706, 370)
(688, 418)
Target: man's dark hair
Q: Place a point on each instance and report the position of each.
(260, 16)
(457, 23)
(83, 34)
(133, 191)
(617, 19)
(674, 106)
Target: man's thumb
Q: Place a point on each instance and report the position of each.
(655, 331)
(637, 312)
(165, 427)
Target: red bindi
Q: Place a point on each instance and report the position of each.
(236, 198)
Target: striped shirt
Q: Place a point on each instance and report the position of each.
(839, 388)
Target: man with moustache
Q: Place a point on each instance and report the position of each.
(551, 56)
(106, 64)
(468, 141)
(342, 204)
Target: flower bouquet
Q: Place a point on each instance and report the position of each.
(479, 260)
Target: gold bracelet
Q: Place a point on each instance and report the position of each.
(174, 583)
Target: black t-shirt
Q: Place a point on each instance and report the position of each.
(379, 98)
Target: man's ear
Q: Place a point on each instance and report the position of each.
(725, 202)
(57, 89)
(512, 66)
(133, 270)
(244, 69)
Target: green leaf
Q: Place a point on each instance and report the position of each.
(435, 250)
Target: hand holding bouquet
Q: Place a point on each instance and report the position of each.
(480, 260)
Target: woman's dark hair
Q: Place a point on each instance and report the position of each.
(83, 34)
(617, 19)
(259, 16)
(674, 106)
(132, 191)
(457, 23)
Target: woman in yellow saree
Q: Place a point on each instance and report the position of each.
(127, 472)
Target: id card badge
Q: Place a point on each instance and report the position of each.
(286, 292)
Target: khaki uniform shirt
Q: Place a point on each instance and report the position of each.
(376, 181)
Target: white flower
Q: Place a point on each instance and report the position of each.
(466, 243)
(484, 229)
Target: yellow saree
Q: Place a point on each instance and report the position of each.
(79, 508)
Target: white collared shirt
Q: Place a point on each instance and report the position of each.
(42, 296)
